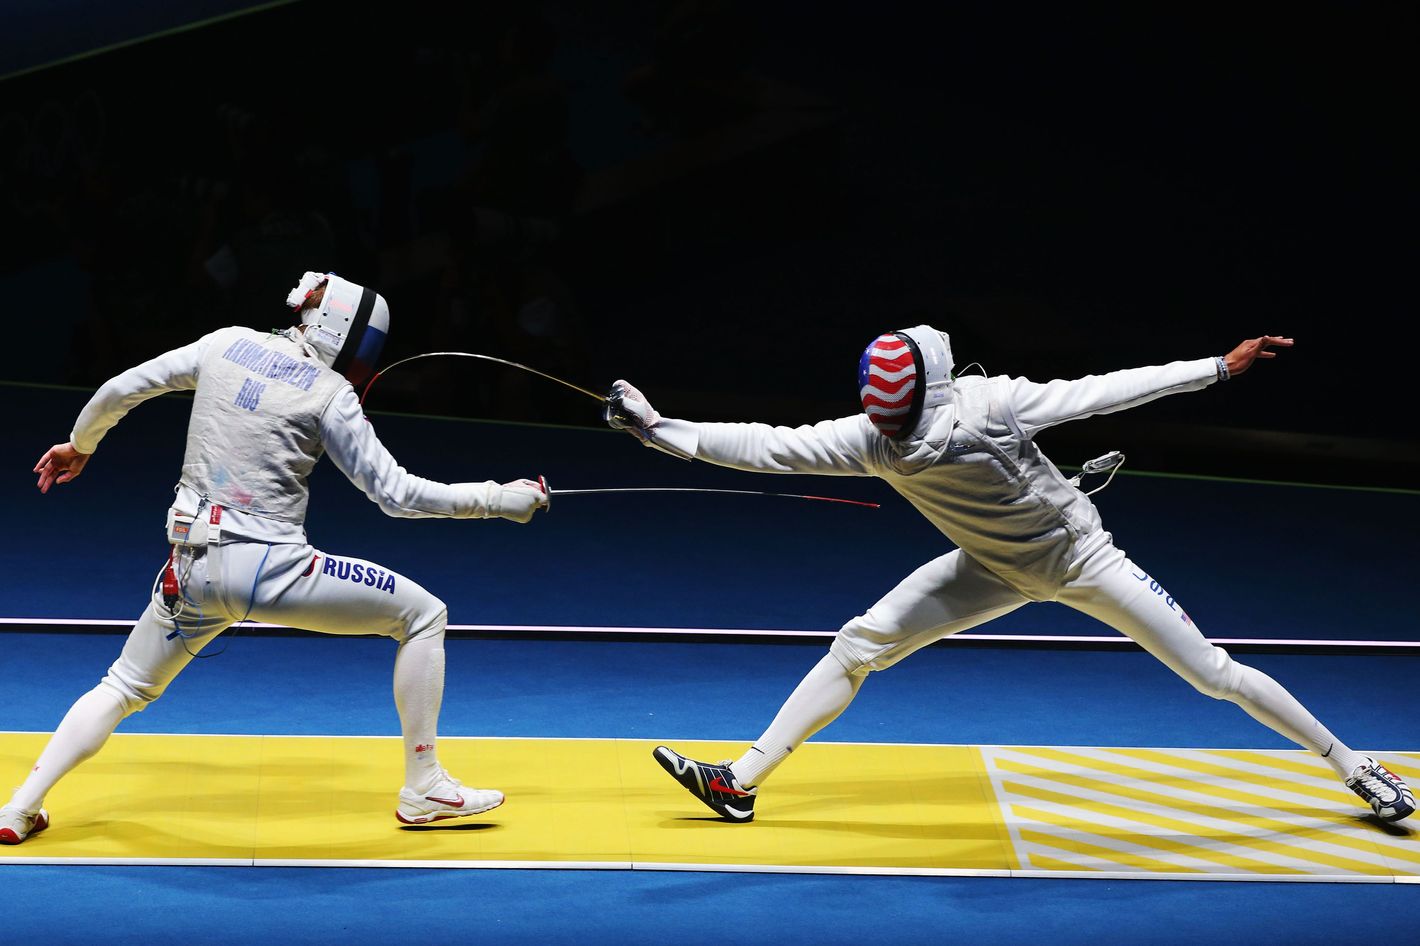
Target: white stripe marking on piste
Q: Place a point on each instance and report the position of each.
(1224, 847)
(1180, 793)
(1239, 783)
(705, 868)
(1221, 826)
(1323, 777)
(1125, 845)
(1121, 642)
(1170, 803)
(1017, 820)
(1098, 862)
(1221, 845)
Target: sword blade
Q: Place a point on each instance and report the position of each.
(468, 354)
(699, 489)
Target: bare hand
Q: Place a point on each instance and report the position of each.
(1241, 358)
(60, 464)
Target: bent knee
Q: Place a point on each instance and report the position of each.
(428, 622)
(131, 697)
(851, 660)
(1217, 676)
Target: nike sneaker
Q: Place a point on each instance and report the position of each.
(715, 785)
(1387, 794)
(447, 799)
(16, 824)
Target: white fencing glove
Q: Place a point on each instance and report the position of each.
(517, 500)
(627, 409)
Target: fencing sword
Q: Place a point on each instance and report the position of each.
(603, 400)
(542, 480)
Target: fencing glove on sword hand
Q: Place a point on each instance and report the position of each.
(627, 409)
(517, 500)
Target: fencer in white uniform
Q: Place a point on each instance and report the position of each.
(266, 407)
(963, 452)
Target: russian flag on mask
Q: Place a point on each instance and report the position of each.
(363, 364)
(887, 379)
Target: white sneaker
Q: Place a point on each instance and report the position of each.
(447, 799)
(16, 824)
(1387, 794)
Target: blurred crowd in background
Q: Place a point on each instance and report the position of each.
(724, 201)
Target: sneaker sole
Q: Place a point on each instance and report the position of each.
(1397, 815)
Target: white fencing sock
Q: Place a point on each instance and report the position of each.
(1268, 702)
(418, 694)
(82, 732)
(825, 691)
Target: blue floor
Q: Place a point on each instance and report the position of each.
(679, 691)
(172, 905)
(655, 690)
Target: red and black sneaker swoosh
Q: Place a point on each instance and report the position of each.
(718, 785)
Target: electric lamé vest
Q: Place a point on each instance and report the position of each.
(236, 456)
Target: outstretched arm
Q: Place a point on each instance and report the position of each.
(1038, 406)
(358, 453)
(175, 370)
(832, 447)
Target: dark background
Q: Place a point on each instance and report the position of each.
(725, 201)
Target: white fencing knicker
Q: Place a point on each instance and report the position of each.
(225, 581)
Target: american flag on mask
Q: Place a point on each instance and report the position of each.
(887, 379)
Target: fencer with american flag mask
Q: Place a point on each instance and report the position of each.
(266, 407)
(962, 451)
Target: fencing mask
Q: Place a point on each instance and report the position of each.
(348, 329)
(903, 373)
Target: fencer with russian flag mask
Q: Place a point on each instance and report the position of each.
(962, 451)
(266, 407)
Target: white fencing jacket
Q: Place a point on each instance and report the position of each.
(263, 413)
(971, 466)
